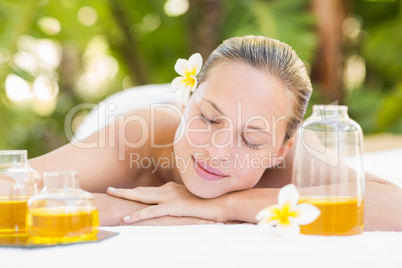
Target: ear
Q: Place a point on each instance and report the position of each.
(283, 151)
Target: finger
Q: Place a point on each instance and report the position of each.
(171, 220)
(146, 196)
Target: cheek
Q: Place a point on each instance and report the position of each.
(249, 168)
(251, 174)
(189, 141)
(197, 133)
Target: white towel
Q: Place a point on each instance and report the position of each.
(123, 102)
(212, 246)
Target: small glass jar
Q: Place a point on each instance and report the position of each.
(328, 144)
(62, 212)
(18, 182)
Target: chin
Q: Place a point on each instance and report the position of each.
(204, 193)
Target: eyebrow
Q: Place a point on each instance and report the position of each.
(262, 130)
(213, 105)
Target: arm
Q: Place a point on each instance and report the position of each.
(383, 204)
(112, 210)
(175, 200)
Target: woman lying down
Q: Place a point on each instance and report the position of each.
(221, 156)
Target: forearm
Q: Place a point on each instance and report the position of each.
(113, 209)
(244, 205)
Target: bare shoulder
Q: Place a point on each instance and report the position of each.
(156, 124)
(157, 128)
(153, 125)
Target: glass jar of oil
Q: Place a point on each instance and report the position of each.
(18, 182)
(328, 171)
(62, 212)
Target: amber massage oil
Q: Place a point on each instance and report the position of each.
(13, 216)
(339, 216)
(50, 226)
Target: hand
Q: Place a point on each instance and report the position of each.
(171, 199)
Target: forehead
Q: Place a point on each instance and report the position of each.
(258, 93)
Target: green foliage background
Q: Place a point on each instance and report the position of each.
(145, 42)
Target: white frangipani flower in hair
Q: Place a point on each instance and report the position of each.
(188, 69)
(288, 215)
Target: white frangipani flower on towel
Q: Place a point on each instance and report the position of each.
(288, 215)
(188, 69)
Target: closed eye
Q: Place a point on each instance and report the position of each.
(206, 120)
(249, 144)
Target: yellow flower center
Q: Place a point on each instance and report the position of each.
(282, 214)
(188, 80)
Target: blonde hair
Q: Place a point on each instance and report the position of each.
(278, 60)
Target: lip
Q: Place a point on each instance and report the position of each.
(207, 172)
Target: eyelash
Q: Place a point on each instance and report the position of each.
(248, 144)
(206, 120)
